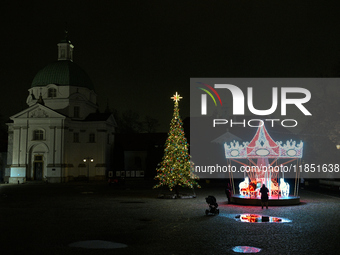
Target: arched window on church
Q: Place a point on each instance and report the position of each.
(38, 134)
(52, 92)
(76, 112)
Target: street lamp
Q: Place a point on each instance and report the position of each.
(338, 146)
(88, 160)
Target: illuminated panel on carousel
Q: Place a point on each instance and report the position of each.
(262, 148)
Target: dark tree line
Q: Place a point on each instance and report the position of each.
(131, 122)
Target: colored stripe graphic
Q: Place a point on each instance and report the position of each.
(209, 94)
(213, 90)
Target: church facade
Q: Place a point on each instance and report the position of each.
(61, 136)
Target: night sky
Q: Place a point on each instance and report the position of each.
(139, 53)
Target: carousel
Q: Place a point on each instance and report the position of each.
(264, 161)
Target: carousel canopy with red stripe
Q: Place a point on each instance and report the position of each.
(262, 145)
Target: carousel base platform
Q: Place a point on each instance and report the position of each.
(273, 200)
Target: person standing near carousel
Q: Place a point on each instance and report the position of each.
(264, 195)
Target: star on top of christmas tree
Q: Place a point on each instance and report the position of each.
(176, 97)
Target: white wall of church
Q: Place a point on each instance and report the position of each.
(57, 156)
(36, 132)
(42, 143)
(65, 99)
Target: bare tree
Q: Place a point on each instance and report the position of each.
(150, 124)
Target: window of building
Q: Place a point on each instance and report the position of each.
(38, 135)
(76, 111)
(108, 138)
(52, 92)
(92, 138)
(76, 137)
(38, 158)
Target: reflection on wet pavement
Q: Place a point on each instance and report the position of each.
(256, 218)
(246, 249)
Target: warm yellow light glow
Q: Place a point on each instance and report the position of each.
(84, 159)
(338, 146)
(176, 97)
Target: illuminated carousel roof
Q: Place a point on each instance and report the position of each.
(262, 145)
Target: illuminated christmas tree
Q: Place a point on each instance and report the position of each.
(176, 169)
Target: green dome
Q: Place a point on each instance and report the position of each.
(63, 73)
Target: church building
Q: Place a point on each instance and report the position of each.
(61, 136)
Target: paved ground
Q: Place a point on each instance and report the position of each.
(46, 218)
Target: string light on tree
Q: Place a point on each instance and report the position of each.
(176, 169)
